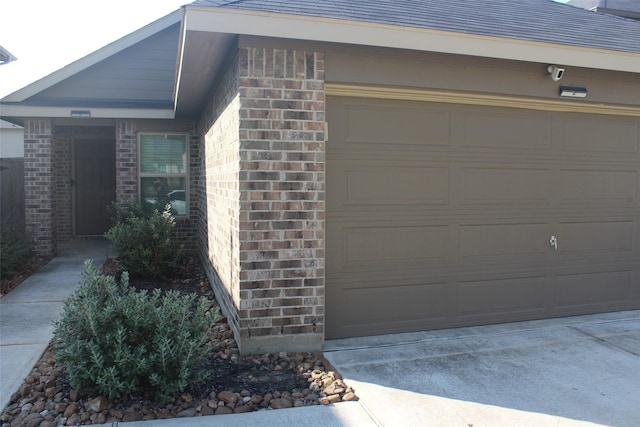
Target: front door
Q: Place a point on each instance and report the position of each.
(95, 185)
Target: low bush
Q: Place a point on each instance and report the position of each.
(15, 249)
(117, 341)
(144, 242)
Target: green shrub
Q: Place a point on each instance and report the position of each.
(15, 249)
(117, 341)
(144, 242)
(120, 211)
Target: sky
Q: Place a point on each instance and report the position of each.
(46, 35)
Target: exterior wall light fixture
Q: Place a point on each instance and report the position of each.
(573, 91)
(81, 114)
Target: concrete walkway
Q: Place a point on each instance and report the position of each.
(577, 371)
(27, 313)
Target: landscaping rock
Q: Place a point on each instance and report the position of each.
(223, 410)
(227, 397)
(243, 408)
(190, 412)
(239, 384)
(349, 397)
(98, 404)
(280, 403)
(71, 410)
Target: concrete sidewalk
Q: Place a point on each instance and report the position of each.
(575, 371)
(27, 313)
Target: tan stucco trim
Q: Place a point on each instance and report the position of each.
(429, 95)
(258, 23)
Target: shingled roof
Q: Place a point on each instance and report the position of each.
(533, 20)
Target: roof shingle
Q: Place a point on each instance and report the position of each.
(533, 20)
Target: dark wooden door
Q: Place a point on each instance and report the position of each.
(95, 184)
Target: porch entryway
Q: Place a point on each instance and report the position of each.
(94, 184)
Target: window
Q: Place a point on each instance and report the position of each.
(163, 171)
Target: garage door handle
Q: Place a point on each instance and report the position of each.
(553, 241)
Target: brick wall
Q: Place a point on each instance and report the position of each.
(62, 167)
(39, 185)
(218, 208)
(186, 227)
(126, 161)
(263, 220)
(281, 199)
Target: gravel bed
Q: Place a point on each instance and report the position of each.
(238, 384)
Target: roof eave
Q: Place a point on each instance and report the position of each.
(6, 56)
(257, 23)
(20, 110)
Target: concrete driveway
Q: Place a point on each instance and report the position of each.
(575, 371)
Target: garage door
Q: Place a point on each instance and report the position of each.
(445, 215)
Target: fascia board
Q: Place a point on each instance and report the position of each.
(181, 47)
(268, 24)
(93, 58)
(18, 110)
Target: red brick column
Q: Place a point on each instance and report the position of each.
(39, 185)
